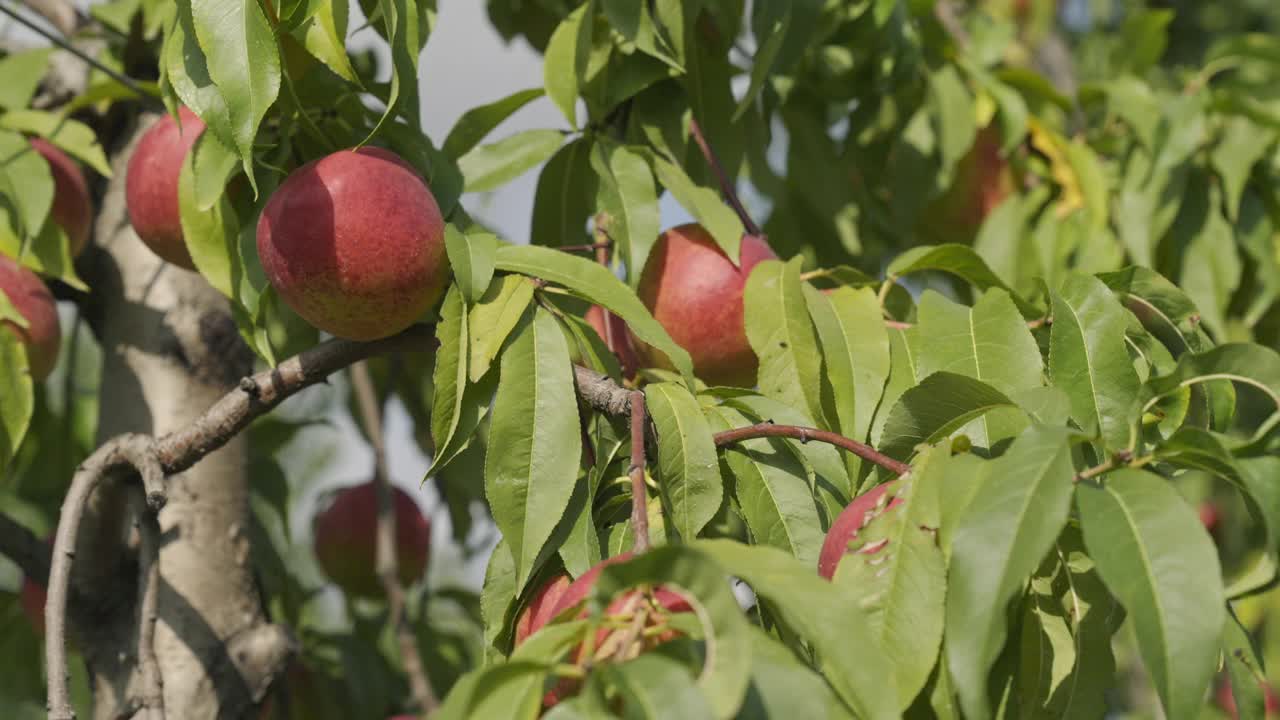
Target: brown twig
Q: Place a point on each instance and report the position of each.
(595, 246)
(639, 492)
(803, 434)
(259, 393)
(177, 451)
(148, 614)
(126, 451)
(26, 550)
(386, 562)
(726, 184)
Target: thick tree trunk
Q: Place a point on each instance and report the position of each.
(170, 350)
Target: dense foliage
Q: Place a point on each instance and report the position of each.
(1031, 253)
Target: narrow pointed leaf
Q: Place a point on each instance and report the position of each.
(773, 493)
(478, 122)
(471, 258)
(493, 318)
(1012, 521)
(815, 610)
(688, 470)
(596, 284)
(535, 424)
(243, 62)
(1155, 555)
(783, 338)
(1088, 359)
(941, 404)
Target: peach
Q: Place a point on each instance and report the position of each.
(72, 210)
(695, 292)
(32, 300)
(151, 185)
(346, 539)
(354, 243)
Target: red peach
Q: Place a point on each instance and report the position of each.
(354, 243)
(695, 292)
(151, 185)
(346, 539)
(72, 210)
(32, 300)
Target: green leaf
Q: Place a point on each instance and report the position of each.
(26, 182)
(497, 596)
(832, 477)
(724, 676)
(988, 342)
(902, 584)
(478, 122)
(243, 62)
(73, 136)
(772, 491)
(1244, 666)
(704, 204)
(783, 686)
(1088, 359)
(782, 336)
(212, 234)
(688, 469)
(771, 23)
(815, 610)
(855, 346)
(535, 423)
(958, 260)
(450, 375)
(653, 687)
(1154, 554)
(941, 404)
(565, 63)
(1242, 145)
(1093, 182)
(493, 319)
(952, 108)
(324, 34)
(490, 166)
(510, 690)
(1245, 363)
(626, 194)
(471, 257)
(565, 196)
(1211, 268)
(22, 72)
(402, 22)
(904, 348)
(633, 22)
(1012, 521)
(17, 402)
(597, 285)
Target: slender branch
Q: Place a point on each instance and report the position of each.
(639, 493)
(258, 394)
(595, 246)
(1123, 457)
(386, 562)
(149, 593)
(601, 392)
(62, 43)
(126, 451)
(803, 434)
(25, 549)
(726, 184)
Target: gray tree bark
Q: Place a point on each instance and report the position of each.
(170, 351)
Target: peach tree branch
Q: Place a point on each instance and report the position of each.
(386, 562)
(639, 493)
